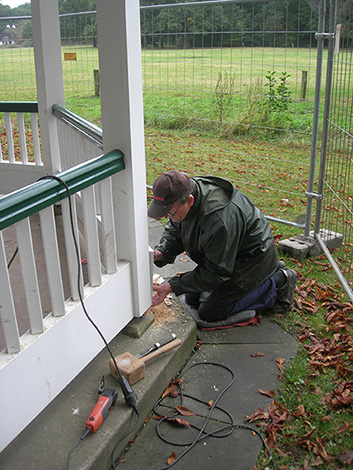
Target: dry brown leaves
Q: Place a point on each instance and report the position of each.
(172, 389)
(277, 419)
(334, 350)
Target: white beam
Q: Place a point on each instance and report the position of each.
(123, 128)
(49, 75)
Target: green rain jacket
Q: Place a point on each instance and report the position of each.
(228, 238)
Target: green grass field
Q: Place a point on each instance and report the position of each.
(179, 82)
(206, 111)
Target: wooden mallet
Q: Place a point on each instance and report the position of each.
(132, 368)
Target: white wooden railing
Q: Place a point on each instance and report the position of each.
(21, 161)
(59, 341)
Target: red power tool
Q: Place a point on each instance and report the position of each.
(103, 407)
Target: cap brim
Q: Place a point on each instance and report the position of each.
(157, 210)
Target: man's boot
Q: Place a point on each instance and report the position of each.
(285, 294)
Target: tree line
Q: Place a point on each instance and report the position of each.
(283, 23)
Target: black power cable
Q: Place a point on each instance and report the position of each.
(220, 432)
(12, 258)
(129, 395)
(75, 446)
(112, 455)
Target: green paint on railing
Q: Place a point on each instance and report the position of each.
(18, 106)
(44, 193)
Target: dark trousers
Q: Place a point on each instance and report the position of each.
(260, 299)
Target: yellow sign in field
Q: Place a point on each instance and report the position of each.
(70, 56)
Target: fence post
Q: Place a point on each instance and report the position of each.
(325, 130)
(96, 82)
(304, 84)
(320, 45)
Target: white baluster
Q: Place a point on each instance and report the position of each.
(35, 139)
(70, 247)
(107, 229)
(22, 137)
(9, 137)
(52, 260)
(29, 274)
(91, 236)
(7, 308)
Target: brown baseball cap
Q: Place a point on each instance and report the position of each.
(167, 189)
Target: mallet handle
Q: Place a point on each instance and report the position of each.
(167, 347)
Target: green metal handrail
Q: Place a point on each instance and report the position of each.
(18, 106)
(44, 193)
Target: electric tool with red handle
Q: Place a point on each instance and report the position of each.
(103, 407)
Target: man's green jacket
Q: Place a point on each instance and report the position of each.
(228, 238)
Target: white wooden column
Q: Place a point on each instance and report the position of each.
(49, 76)
(123, 128)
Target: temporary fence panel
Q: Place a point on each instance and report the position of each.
(335, 209)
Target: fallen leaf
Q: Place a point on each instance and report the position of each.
(343, 428)
(347, 457)
(182, 422)
(299, 411)
(321, 450)
(210, 404)
(317, 462)
(184, 411)
(270, 393)
(257, 415)
(257, 355)
(171, 459)
(147, 419)
(198, 344)
(302, 440)
(280, 365)
(168, 390)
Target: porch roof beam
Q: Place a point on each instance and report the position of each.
(44, 193)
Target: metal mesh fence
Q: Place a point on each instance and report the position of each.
(229, 90)
(337, 205)
(80, 64)
(17, 70)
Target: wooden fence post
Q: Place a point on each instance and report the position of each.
(96, 82)
(304, 84)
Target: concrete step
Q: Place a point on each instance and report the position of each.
(47, 441)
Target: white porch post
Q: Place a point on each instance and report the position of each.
(119, 44)
(49, 75)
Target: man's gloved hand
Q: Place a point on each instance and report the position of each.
(160, 293)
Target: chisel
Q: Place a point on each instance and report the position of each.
(157, 346)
